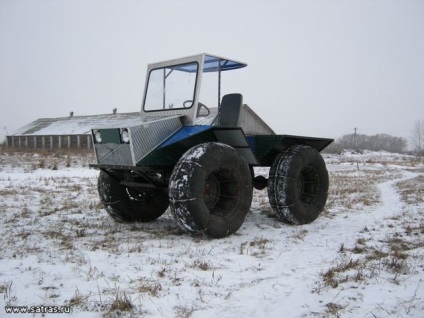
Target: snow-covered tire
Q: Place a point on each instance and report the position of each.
(210, 190)
(126, 205)
(298, 185)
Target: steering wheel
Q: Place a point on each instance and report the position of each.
(188, 103)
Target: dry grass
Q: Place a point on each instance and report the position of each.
(350, 190)
(78, 300)
(412, 190)
(339, 273)
(44, 159)
(151, 288)
(121, 302)
(183, 311)
(258, 247)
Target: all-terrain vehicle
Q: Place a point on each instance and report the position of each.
(194, 151)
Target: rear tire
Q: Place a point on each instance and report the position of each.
(128, 205)
(210, 190)
(298, 185)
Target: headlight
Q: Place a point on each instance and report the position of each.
(97, 136)
(125, 136)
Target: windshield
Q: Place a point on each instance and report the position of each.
(172, 87)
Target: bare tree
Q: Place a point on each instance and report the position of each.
(417, 137)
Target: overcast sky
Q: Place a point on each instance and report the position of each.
(317, 68)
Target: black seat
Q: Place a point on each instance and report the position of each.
(229, 110)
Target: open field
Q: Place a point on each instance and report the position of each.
(364, 256)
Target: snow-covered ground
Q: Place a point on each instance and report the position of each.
(364, 256)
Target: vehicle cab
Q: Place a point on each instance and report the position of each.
(189, 87)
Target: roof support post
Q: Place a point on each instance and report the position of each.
(69, 141)
(59, 142)
(35, 142)
(78, 141)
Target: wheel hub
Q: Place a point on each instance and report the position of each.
(307, 185)
(211, 191)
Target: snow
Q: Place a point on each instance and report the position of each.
(59, 247)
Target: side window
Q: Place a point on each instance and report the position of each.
(171, 87)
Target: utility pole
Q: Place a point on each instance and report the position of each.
(420, 133)
(355, 137)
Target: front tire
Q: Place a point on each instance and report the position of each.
(298, 185)
(210, 190)
(128, 205)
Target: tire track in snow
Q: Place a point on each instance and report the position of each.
(391, 203)
(285, 284)
(346, 228)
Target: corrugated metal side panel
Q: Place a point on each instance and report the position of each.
(114, 154)
(148, 136)
(252, 124)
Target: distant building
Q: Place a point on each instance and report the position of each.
(72, 132)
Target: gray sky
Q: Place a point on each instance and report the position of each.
(317, 68)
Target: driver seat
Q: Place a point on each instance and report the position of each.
(229, 110)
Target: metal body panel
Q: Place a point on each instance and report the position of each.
(252, 124)
(144, 138)
(168, 153)
(112, 154)
(184, 133)
(148, 136)
(267, 147)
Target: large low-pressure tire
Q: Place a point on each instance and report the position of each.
(210, 190)
(126, 205)
(298, 185)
